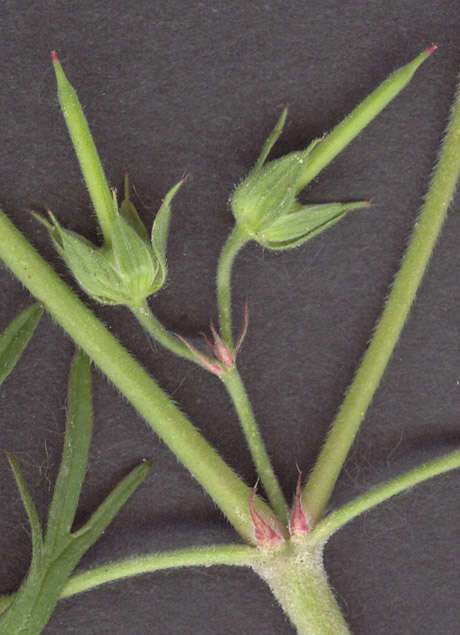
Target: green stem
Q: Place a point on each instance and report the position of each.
(337, 519)
(297, 579)
(237, 392)
(235, 555)
(427, 229)
(235, 242)
(155, 328)
(232, 379)
(238, 395)
(190, 447)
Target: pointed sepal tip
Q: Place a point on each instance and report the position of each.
(298, 522)
(266, 537)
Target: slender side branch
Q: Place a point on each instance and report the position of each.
(237, 392)
(337, 519)
(190, 447)
(155, 328)
(232, 555)
(233, 381)
(236, 555)
(427, 229)
(235, 242)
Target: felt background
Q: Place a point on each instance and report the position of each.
(192, 89)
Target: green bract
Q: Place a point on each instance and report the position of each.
(265, 204)
(130, 267)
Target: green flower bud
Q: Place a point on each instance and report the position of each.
(265, 204)
(132, 268)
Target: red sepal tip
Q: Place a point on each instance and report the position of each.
(54, 57)
(431, 49)
(266, 537)
(298, 522)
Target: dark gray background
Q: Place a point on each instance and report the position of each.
(193, 88)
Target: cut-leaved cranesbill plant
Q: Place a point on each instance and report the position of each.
(283, 545)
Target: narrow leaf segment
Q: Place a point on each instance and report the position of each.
(15, 338)
(54, 558)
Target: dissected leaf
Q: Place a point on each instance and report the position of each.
(108, 509)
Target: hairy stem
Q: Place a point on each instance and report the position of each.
(190, 447)
(155, 328)
(233, 555)
(337, 519)
(427, 229)
(235, 242)
(236, 555)
(297, 579)
(237, 392)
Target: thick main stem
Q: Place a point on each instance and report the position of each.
(190, 447)
(427, 229)
(298, 581)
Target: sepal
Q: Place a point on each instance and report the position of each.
(265, 534)
(298, 521)
(269, 192)
(265, 204)
(295, 228)
(160, 231)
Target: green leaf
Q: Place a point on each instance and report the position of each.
(35, 527)
(108, 509)
(78, 431)
(160, 231)
(15, 338)
(272, 139)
